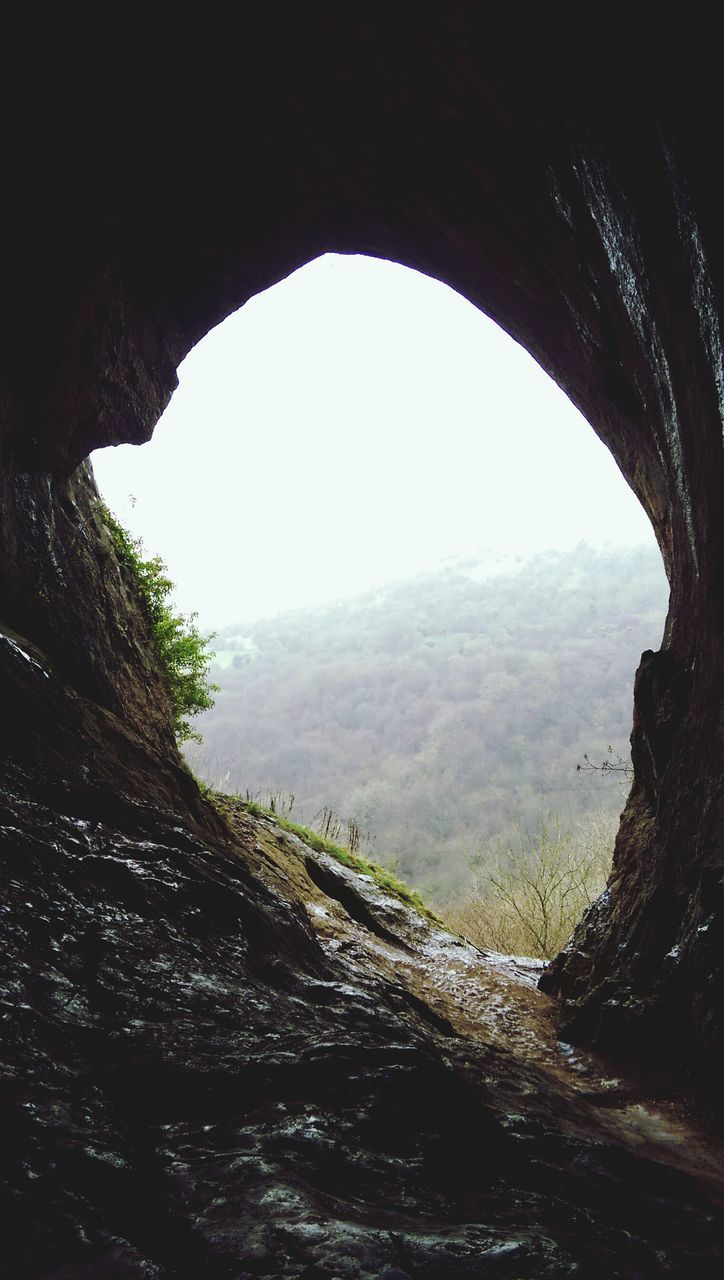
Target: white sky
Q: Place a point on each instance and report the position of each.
(356, 424)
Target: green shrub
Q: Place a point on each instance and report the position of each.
(184, 653)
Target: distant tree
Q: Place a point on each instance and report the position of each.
(530, 893)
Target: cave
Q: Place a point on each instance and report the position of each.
(193, 1084)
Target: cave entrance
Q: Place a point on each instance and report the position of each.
(416, 555)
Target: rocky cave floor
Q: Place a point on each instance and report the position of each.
(246, 1060)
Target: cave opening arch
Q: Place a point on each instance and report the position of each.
(360, 407)
(588, 228)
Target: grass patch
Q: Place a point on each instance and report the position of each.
(382, 876)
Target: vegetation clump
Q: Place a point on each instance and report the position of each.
(527, 895)
(382, 876)
(183, 651)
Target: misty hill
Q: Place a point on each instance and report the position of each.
(440, 711)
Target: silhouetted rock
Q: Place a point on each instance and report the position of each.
(202, 1075)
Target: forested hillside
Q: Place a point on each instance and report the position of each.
(442, 712)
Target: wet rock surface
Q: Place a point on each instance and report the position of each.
(221, 1057)
(230, 1056)
(556, 165)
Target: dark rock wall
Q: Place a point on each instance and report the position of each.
(556, 165)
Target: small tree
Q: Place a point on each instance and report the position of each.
(183, 651)
(530, 893)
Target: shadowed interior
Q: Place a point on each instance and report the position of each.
(555, 166)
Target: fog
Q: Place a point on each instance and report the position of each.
(356, 424)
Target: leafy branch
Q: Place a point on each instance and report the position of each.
(183, 651)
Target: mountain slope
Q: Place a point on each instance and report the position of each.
(440, 712)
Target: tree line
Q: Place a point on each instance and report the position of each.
(440, 713)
